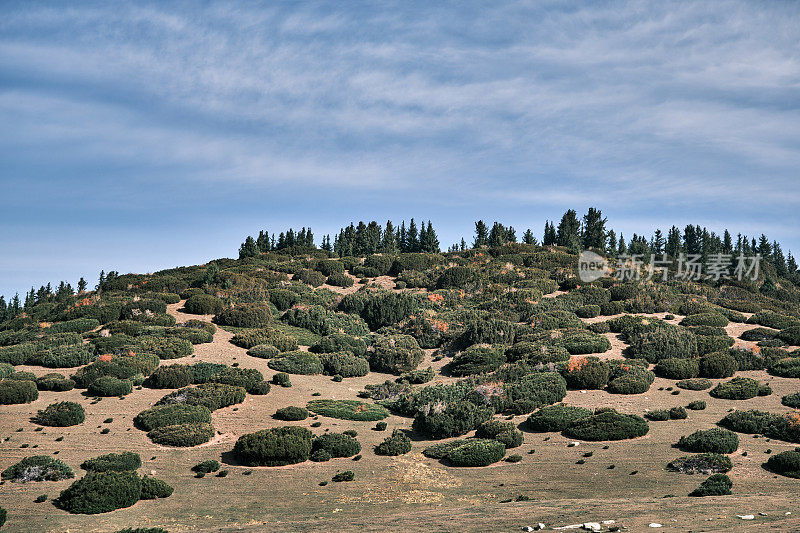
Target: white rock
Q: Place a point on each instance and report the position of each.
(762, 514)
(539, 526)
(655, 524)
(746, 516)
(527, 528)
(608, 522)
(592, 526)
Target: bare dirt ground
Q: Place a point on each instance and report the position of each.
(409, 492)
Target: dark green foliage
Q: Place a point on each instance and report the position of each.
(758, 334)
(785, 463)
(738, 388)
(212, 395)
(395, 354)
(170, 377)
(630, 379)
(259, 389)
(751, 421)
(536, 352)
(398, 443)
(274, 447)
(791, 400)
(477, 359)
(440, 450)
(320, 456)
(586, 373)
(37, 468)
(199, 324)
(532, 391)
(502, 431)
(311, 277)
(417, 377)
(340, 342)
(297, 362)
(790, 335)
(248, 378)
(202, 304)
(110, 386)
(142, 308)
(291, 413)
(172, 414)
(337, 445)
(163, 347)
(607, 425)
(153, 488)
(710, 441)
(477, 452)
(113, 461)
(282, 379)
(77, 325)
(348, 410)
(54, 382)
(344, 364)
(263, 351)
(283, 299)
(716, 485)
(657, 415)
(697, 405)
(63, 356)
(182, 435)
(347, 475)
(713, 343)
(101, 492)
(3, 516)
(695, 384)
(705, 319)
(486, 331)
(678, 413)
(272, 336)
(674, 368)
(206, 467)
(788, 367)
(588, 311)
(454, 420)
(703, 463)
(244, 316)
(14, 391)
(61, 414)
(380, 426)
(581, 341)
(718, 365)
(556, 417)
(6, 370)
(338, 279)
(454, 277)
(663, 343)
(387, 308)
(773, 320)
(329, 266)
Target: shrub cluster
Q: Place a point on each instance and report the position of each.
(340, 342)
(710, 441)
(61, 414)
(203, 304)
(211, 395)
(702, 463)
(477, 359)
(291, 413)
(120, 462)
(398, 443)
(37, 468)
(476, 452)
(785, 463)
(674, 368)
(297, 362)
(788, 367)
(17, 391)
(274, 447)
(182, 435)
(54, 382)
(586, 373)
(395, 354)
(206, 467)
(244, 316)
(172, 414)
(344, 364)
(663, 343)
(705, 319)
(253, 337)
(336, 445)
(348, 410)
(695, 384)
(101, 492)
(556, 417)
(607, 424)
(715, 485)
(738, 388)
(110, 386)
(170, 377)
(153, 488)
(502, 431)
(453, 420)
(791, 400)
(718, 365)
(784, 427)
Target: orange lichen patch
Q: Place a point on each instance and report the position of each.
(439, 325)
(576, 363)
(105, 357)
(436, 298)
(45, 324)
(794, 419)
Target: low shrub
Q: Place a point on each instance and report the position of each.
(13, 391)
(206, 467)
(101, 492)
(347, 475)
(119, 462)
(122, 367)
(657, 415)
(477, 452)
(710, 441)
(244, 316)
(387, 309)
(182, 435)
(344, 364)
(758, 334)
(695, 384)
(340, 342)
(398, 443)
(291, 413)
(170, 377)
(54, 382)
(200, 324)
(110, 386)
(607, 425)
(630, 380)
(588, 311)
(477, 359)
(715, 485)
(61, 414)
(77, 325)
(440, 450)
(705, 319)
(703, 463)
(211, 395)
(791, 400)
(336, 444)
(163, 347)
(785, 463)
(718, 365)
(297, 362)
(172, 414)
(282, 379)
(674, 368)
(274, 447)
(348, 410)
(37, 468)
(202, 304)
(63, 356)
(663, 343)
(788, 367)
(738, 388)
(713, 343)
(586, 373)
(311, 277)
(263, 351)
(678, 413)
(697, 405)
(153, 488)
(556, 417)
(339, 279)
(531, 392)
(454, 420)
(395, 354)
(773, 320)
(252, 337)
(502, 431)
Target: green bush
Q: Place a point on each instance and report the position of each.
(785, 463)
(697, 405)
(535, 353)
(244, 316)
(478, 330)
(61, 414)
(477, 359)
(531, 392)
(556, 417)
(674, 368)
(143, 530)
(695, 384)
(163, 347)
(398, 443)
(738, 388)
(703, 463)
(101, 492)
(263, 351)
(790, 335)
(502, 431)
(320, 456)
(347, 475)
(705, 319)
(344, 364)
(773, 320)
(441, 449)
(455, 277)
(348, 410)
(758, 334)
(663, 343)
(657, 415)
(200, 324)
(716, 485)
(54, 382)
(291, 413)
(119, 462)
(311, 277)
(338, 279)
(212, 395)
(253, 337)
(713, 343)
(63, 356)
(788, 367)
(791, 400)
(77, 325)
(340, 342)
(37, 468)
(172, 414)
(586, 373)
(395, 354)
(122, 367)
(750, 421)
(153, 488)
(330, 266)
(14, 391)
(247, 378)
(6, 370)
(206, 467)
(581, 341)
(453, 420)
(588, 311)
(202, 304)
(193, 335)
(170, 377)
(110, 386)
(336, 444)
(182, 435)
(274, 447)
(633, 380)
(476, 452)
(297, 362)
(678, 413)
(607, 425)
(133, 310)
(417, 377)
(710, 441)
(718, 365)
(282, 379)
(387, 308)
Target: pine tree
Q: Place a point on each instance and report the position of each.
(511, 234)
(388, 242)
(81, 285)
(481, 235)
(611, 242)
(691, 241)
(622, 248)
(764, 247)
(778, 260)
(727, 246)
(402, 240)
(431, 240)
(248, 248)
(463, 244)
(528, 237)
(262, 242)
(413, 237)
(30, 299)
(673, 246)
(594, 233)
(791, 264)
(568, 232)
(550, 237)
(658, 242)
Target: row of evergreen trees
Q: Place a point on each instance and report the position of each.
(267, 243)
(370, 238)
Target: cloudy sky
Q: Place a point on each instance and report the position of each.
(157, 134)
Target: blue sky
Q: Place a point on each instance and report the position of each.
(142, 136)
